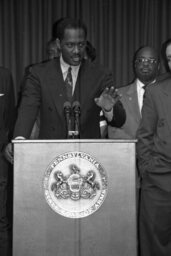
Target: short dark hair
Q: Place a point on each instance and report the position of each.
(91, 51)
(163, 53)
(64, 23)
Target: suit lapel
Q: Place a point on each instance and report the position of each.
(82, 87)
(56, 86)
(132, 102)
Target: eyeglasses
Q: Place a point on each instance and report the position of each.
(71, 46)
(146, 60)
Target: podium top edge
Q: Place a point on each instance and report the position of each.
(75, 141)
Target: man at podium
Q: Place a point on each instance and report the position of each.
(69, 92)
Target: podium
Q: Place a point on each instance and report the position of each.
(74, 197)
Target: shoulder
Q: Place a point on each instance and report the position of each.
(163, 76)
(160, 86)
(45, 67)
(127, 89)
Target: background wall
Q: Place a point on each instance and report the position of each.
(117, 28)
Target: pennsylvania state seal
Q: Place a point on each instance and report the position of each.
(75, 184)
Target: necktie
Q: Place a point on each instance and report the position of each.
(143, 96)
(69, 83)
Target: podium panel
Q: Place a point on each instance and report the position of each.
(39, 230)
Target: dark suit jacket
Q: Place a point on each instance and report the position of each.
(129, 99)
(45, 90)
(7, 111)
(154, 135)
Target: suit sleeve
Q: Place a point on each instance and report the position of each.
(119, 115)
(29, 107)
(9, 111)
(146, 133)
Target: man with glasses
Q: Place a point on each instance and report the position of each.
(68, 78)
(146, 68)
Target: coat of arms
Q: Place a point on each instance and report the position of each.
(75, 184)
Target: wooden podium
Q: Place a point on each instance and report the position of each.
(39, 230)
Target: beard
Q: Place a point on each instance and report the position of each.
(146, 77)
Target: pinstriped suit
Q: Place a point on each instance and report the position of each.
(45, 89)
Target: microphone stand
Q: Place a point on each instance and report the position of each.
(77, 112)
(67, 112)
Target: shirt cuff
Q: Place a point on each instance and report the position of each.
(108, 115)
(20, 138)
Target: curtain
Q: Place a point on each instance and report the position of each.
(117, 28)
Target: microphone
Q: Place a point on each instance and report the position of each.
(77, 112)
(67, 112)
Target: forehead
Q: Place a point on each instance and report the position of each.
(147, 53)
(72, 34)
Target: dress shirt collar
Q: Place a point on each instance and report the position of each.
(65, 66)
(140, 85)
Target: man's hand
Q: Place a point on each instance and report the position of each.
(8, 152)
(107, 99)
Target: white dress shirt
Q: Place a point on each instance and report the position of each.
(74, 72)
(140, 93)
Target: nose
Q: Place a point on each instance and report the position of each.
(146, 63)
(76, 48)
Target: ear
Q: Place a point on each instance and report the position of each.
(58, 43)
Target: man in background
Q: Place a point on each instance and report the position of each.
(146, 68)
(7, 114)
(154, 161)
(52, 50)
(166, 57)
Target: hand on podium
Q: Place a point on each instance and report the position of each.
(8, 152)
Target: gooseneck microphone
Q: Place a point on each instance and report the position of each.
(77, 111)
(67, 113)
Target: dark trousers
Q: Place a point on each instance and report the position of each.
(155, 222)
(5, 228)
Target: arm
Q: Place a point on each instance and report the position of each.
(119, 115)
(28, 110)
(112, 107)
(146, 133)
(10, 111)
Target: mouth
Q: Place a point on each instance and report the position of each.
(76, 58)
(145, 70)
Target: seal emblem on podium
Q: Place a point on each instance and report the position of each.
(75, 184)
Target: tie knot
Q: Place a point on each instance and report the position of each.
(144, 86)
(69, 69)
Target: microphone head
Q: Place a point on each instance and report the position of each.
(67, 105)
(76, 105)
